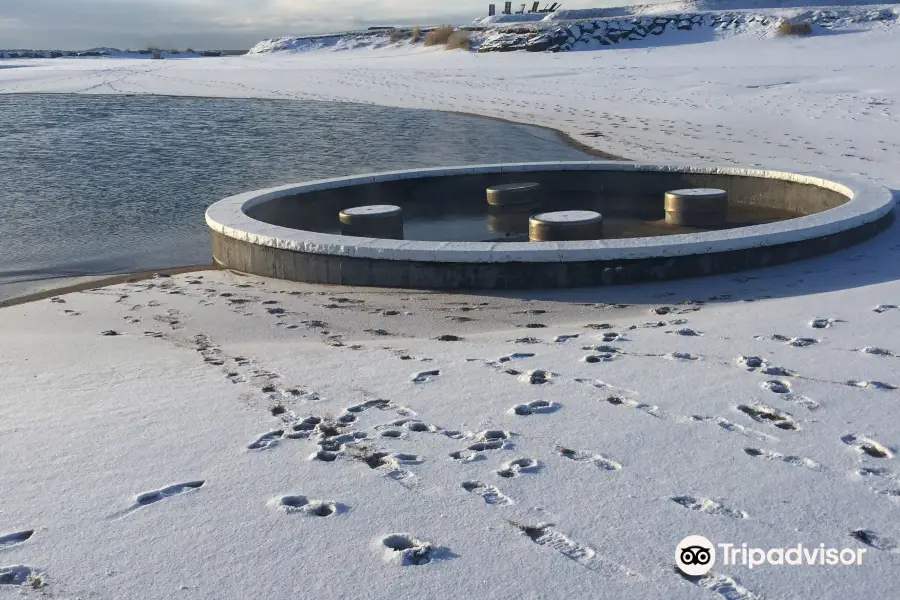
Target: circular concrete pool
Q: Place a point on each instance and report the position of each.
(454, 240)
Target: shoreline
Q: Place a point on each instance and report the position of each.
(104, 280)
(99, 281)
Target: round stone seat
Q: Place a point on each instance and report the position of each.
(374, 221)
(513, 194)
(567, 225)
(696, 207)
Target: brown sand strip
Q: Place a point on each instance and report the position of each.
(101, 282)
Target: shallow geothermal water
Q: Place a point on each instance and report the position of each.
(461, 223)
(106, 184)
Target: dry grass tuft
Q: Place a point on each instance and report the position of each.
(788, 27)
(415, 34)
(438, 36)
(396, 35)
(459, 40)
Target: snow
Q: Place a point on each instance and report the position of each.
(567, 216)
(696, 6)
(513, 18)
(757, 407)
(373, 209)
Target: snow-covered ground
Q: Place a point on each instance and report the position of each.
(174, 437)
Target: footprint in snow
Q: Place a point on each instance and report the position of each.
(778, 371)
(597, 459)
(414, 425)
(518, 466)
(614, 337)
(515, 356)
(19, 575)
(777, 387)
(486, 441)
(448, 338)
(822, 323)
(490, 494)
(874, 540)
(797, 461)
(543, 534)
(295, 504)
(687, 332)
(876, 351)
(407, 550)
(867, 446)
(876, 385)
(425, 376)
(379, 404)
(536, 406)
(266, 441)
(537, 377)
(723, 585)
(762, 413)
(11, 539)
(565, 338)
(681, 356)
(154, 496)
(801, 342)
(884, 308)
(709, 506)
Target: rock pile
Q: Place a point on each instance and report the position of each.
(594, 34)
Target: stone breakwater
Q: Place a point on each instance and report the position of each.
(595, 34)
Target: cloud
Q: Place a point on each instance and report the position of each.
(232, 24)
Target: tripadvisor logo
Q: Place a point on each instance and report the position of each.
(695, 555)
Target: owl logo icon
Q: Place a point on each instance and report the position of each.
(695, 555)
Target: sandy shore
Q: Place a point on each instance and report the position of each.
(10, 295)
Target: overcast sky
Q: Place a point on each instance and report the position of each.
(222, 24)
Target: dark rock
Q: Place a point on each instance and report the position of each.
(539, 44)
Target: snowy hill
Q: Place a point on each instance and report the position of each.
(676, 7)
(684, 21)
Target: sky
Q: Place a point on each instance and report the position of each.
(219, 24)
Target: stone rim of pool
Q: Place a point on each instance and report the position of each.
(868, 208)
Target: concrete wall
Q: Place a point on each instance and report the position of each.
(273, 232)
(323, 268)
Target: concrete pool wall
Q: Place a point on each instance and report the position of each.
(262, 232)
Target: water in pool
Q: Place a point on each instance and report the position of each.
(109, 184)
(474, 221)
